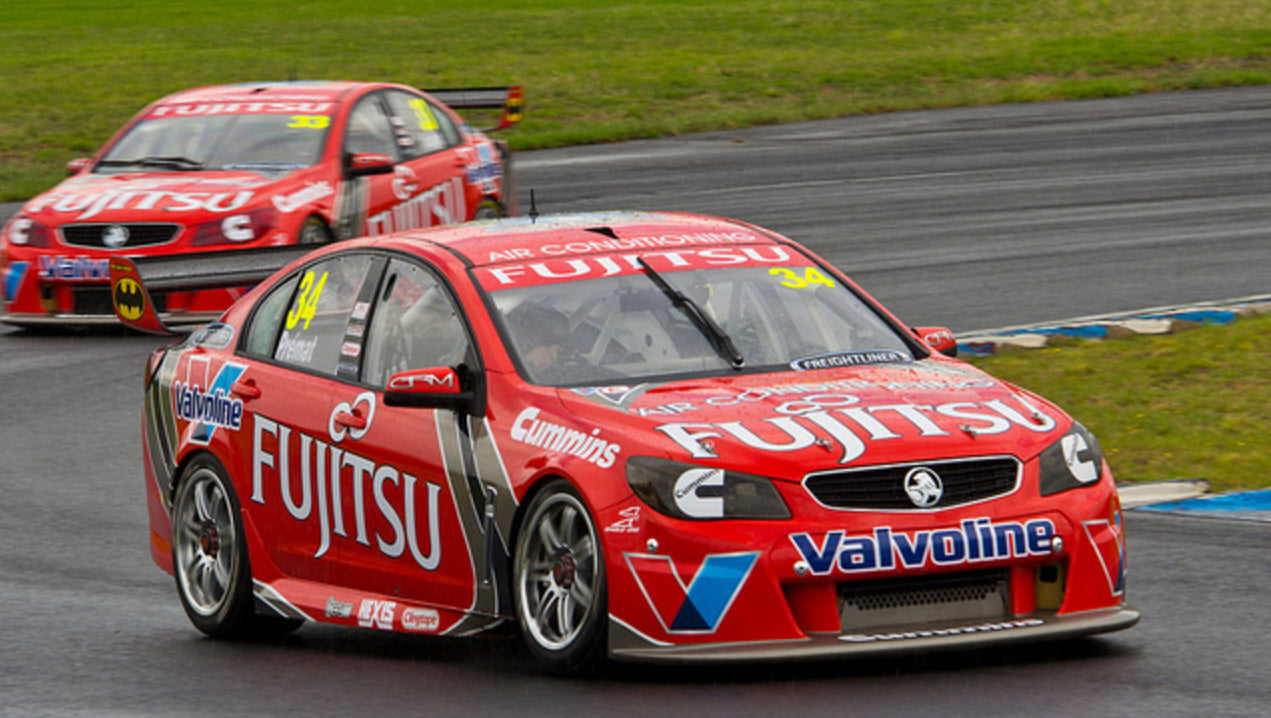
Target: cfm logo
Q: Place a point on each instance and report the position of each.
(700, 606)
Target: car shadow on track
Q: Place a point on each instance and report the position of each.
(502, 653)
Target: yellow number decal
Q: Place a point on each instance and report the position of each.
(317, 122)
(423, 113)
(307, 301)
(788, 277)
(814, 276)
(791, 278)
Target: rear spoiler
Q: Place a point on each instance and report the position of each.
(510, 100)
(134, 280)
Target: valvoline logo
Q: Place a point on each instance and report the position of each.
(12, 279)
(205, 399)
(700, 606)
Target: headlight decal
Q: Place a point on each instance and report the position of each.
(1074, 461)
(690, 498)
(687, 491)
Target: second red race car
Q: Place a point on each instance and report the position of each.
(647, 436)
(252, 165)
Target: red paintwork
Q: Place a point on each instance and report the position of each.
(37, 282)
(918, 412)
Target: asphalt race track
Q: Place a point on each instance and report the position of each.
(973, 219)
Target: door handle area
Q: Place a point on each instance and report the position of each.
(349, 421)
(245, 388)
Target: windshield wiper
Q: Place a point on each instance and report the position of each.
(718, 338)
(181, 163)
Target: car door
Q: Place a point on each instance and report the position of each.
(426, 185)
(296, 345)
(421, 478)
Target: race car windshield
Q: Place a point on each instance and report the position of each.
(267, 144)
(628, 328)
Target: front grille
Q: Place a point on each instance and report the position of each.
(883, 487)
(91, 301)
(139, 234)
(969, 596)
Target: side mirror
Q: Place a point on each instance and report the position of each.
(938, 339)
(77, 165)
(432, 388)
(367, 163)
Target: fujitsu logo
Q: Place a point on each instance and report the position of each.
(807, 421)
(330, 476)
(147, 199)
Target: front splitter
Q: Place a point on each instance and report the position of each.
(628, 645)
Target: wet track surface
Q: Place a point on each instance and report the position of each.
(970, 218)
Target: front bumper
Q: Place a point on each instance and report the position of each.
(71, 319)
(629, 645)
(866, 582)
(35, 301)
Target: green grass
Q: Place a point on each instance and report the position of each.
(595, 71)
(1189, 405)
(1186, 406)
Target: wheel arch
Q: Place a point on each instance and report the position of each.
(191, 455)
(537, 486)
(590, 650)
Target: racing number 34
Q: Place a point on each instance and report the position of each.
(791, 278)
(307, 301)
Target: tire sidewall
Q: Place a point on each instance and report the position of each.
(488, 209)
(587, 652)
(233, 615)
(315, 224)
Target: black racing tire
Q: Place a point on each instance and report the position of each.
(488, 209)
(559, 582)
(209, 557)
(314, 231)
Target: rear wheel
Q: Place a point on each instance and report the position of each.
(209, 557)
(559, 574)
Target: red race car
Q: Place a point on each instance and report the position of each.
(646, 436)
(252, 165)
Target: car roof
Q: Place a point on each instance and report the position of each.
(520, 239)
(290, 91)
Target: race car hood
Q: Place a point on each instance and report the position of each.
(148, 196)
(786, 424)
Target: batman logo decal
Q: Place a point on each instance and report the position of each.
(130, 301)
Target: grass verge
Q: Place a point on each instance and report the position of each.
(598, 70)
(1187, 405)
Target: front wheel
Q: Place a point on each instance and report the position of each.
(488, 209)
(313, 231)
(559, 575)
